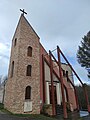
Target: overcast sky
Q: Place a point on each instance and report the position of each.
(57, 22)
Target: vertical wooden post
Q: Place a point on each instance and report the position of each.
(86, 96)
(52, 86)
(62, 86)
(76, 98)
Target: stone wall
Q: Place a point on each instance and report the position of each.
(15, 87)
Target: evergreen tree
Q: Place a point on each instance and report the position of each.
(83, 53)
(81, 96)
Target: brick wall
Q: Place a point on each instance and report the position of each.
(15, 87)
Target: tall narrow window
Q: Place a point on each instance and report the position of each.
(12, 69)
(15, 42)
(29, 51)
(28, 92)
(29, 68)
(66, 73)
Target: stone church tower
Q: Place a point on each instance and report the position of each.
(36, 78)
(23, 86)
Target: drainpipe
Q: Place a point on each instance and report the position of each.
(43, 77)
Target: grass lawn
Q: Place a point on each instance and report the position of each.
(36, 117)
(41, 117)
(33, 117)
(80, 119)
(4, 110)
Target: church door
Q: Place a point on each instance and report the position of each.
(55, 94)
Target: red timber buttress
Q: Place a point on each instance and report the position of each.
(49, 58)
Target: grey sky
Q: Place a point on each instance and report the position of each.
(57, 22)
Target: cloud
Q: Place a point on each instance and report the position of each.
(4, 50)
(2, 46)
(4, 58)
(82, 73)
(60, 22)
(4, 66)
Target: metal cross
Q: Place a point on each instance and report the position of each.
(23, 12)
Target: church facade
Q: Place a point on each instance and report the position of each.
(35, 79)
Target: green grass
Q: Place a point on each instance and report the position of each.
(1, 106)
(80, 119)
(4, 110)
(41, 117)
(32, 116)
(35, 116)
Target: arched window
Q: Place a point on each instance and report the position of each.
(12, 69)
(29, 51)
(28, 92)
(29, 69)
(15, 42)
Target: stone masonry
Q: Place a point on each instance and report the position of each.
(14, 99)
(15, 87)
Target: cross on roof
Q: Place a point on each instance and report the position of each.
(23, 12)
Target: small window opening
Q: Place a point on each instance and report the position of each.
(64, 73)
(28, 92)
(15, 42)
(12, 69)
(29, 67)
(29, 51)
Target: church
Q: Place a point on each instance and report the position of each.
(36, 78)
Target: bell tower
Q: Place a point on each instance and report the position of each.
(22, 92)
